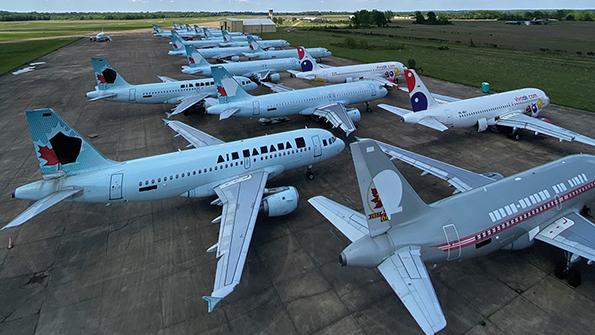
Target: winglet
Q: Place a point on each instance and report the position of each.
(211, 301)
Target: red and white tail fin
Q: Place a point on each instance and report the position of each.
(420, 96)
(307, 63)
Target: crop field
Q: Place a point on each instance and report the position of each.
(567, 77)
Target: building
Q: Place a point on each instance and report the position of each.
(249, 26)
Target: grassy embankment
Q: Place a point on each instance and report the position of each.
(498, 56)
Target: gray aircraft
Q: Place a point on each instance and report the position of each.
(399, 232)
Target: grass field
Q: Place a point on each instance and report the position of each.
(566, 77)
(16, 54)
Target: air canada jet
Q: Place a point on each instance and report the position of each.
(258, 51)
(218, 49)
(100, 37)
(110, 85)
(326, 102)
(399, 232)
(258, 70)
(518, 109)
(236, 172)
(388, 73)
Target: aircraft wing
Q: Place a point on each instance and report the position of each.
(351, 223)
(277, 88)
(41, 205)
(523, 121)
(337, 115)
(196, 137)
(409, 279)
(241, 200)
(165, 79)
(461, 179)
(383, 81)
(186, 103)
(444, 98)
(572, 233)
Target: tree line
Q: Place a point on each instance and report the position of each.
(366, 18)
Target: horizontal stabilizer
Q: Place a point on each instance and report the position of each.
(166, 79)
(395, 110)
(105, 96)
(349, 222)
(431, 122)
(40, 206)
(228, 113)
(277, 88)
(444, 98)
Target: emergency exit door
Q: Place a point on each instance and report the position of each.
(115, 191)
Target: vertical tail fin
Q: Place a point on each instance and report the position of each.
(194, 58)
(420, 96)
(58, 147)
(226, 37)
(306, 61)
(106, 76)
(206, 31)
(386, 195)
(177, 42)
(228, 89)
(254, 46)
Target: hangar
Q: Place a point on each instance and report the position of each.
(249, 26)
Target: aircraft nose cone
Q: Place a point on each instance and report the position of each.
(340, 144)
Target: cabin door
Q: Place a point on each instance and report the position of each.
(317, 146)
(256, 108)
(115, 190)
(452, 237)
(132, 94)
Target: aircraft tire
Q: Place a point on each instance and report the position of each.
(574, 277)
(560, 271)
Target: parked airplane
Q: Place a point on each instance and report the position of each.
(184, 33)
(237, 172)
(179, 49)
(258, 70)
(387, 73)
(399, 232)
(110, 85)
(326, 102)
(258, 52)
(100, 37)
(517, 109)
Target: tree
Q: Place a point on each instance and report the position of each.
(431, 18)
(569, 17)
(587, 17)
(378, 18)
(389, 15)
(419, 18)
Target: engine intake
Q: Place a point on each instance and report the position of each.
(282, 202)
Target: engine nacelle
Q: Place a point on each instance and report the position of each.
(482, 124)
(274, 77)
(208, 102)
(280, 203)
(235, 58)
(354, 115)
(349, 80)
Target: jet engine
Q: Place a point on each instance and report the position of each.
(274, 77)
(523, 242)
(354, 115)
(282, 201)
(366, 252)
(482, 124)
(348, 79)
(235, 58)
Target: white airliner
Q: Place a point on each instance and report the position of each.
(388, 73)
(236, 172)
(110, 85)
(258, 70)
(325, 102)
(218, 47)
(517, 109)
(259, 51)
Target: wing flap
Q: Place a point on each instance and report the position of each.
(523, 121)
(41, 205)
(461, 179)
(196, 137)
(337, 115)
(573, 233)
(409, 279)
(241, 198)
(351, 223)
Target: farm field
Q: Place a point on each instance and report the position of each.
(565, 76)
(16, 54)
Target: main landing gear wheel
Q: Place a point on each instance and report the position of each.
(309, 174)
(566, 269)
(368, 109)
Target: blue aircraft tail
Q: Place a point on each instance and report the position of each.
(58, 147)
(254, 46)
(195, 59)
(228, 89)
(106, 76)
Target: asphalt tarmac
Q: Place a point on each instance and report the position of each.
(141, 268)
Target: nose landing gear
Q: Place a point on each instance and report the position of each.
(309, 174)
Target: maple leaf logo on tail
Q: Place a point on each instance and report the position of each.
(191, 60)
(49, 155)
(221, 91)
(101, 78)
